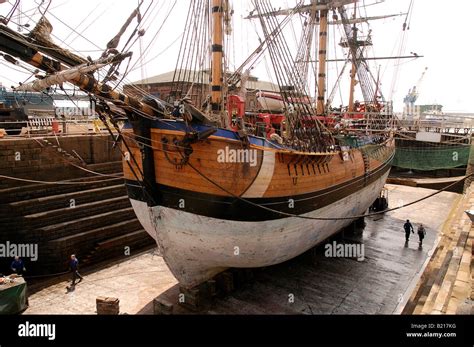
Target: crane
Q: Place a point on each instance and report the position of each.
(413, 93)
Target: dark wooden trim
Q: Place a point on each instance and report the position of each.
(230, 208)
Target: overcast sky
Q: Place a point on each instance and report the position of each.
(439, 30)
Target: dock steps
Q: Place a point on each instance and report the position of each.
(119, 246)
(101, 233)
(85, 223)
(97, 228)
(57, 201)
(64, 214)
(446, 284)
(33, 191)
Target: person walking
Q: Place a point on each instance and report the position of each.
(74, 266)
(421, 234)
(408, 227)
(17, 266)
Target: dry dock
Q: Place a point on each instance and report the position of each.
(446, 286)
(87, 212)
(309, 284)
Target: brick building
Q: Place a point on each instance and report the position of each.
(194, 84)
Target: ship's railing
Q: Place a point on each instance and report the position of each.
(369, 119)
(454, 127)
(42, 126)
(371, 122)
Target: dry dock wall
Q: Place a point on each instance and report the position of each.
(92, 218)
(35, 159)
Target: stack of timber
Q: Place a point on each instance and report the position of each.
(446, 286)
(107, 306)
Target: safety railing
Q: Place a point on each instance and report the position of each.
(41, 126)
(455, 127)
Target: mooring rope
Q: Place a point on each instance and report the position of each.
(325, 218)
(307, 217)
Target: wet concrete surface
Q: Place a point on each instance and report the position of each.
(309, 284)
(136, 282)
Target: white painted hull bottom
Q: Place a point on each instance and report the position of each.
(196, 248)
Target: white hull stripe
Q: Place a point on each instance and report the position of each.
(264, 177)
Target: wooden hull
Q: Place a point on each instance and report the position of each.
(197, 247)
(205, 213)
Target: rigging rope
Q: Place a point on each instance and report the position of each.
(402, 47)
(189, 69)
(301, 216)
(10, 14)
(288, 74)
(137, 89)
(43, 12)
(54, 182)
(82, 22)
(324, 218)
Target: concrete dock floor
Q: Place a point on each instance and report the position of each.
(446, 286)
(309, 284)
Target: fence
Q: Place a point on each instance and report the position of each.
(40, 126)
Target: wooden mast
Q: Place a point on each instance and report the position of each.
(315, 18)
(354, 67)
(323, 39)
(217, 56)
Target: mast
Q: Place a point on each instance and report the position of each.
(217, 55)
(323, 39)
(354, 67)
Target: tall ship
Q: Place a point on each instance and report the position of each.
(219, 183)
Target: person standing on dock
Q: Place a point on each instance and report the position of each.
(74, 266)
(421, 234)
(408, 227)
